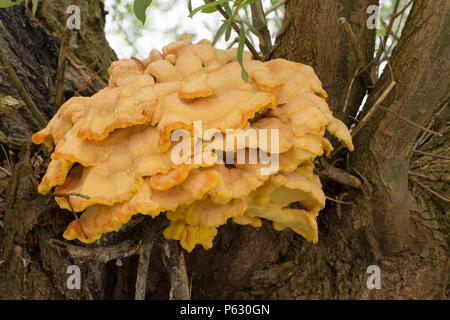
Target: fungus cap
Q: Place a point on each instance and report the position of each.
(116, 147)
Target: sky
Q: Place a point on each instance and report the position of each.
(156, 32)
(160, 25)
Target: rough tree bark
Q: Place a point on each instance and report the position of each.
(396, 223)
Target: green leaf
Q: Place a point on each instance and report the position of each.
(381, 32)
(220, 31)
(251, 27)
(227, 8)
(240, 53)
(6, 3)
(244, 74)
(190, 7)
(140, 7)
(209, 10)
(228, 32)
(35, 4)
(207, 6)
(237, 3)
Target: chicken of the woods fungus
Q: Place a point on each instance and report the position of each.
(116, 148)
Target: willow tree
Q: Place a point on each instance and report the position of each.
(387, 200)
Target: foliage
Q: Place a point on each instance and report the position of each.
(9, 3)
(123, 26)
(238, 12)
(140, 7)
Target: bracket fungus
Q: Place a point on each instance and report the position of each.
(117, 146)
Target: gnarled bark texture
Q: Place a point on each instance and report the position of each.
(399, 223)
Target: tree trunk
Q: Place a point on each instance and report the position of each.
(396, 223)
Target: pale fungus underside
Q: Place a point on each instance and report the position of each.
(115, 147)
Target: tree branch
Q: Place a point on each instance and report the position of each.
(100, 254)
(238, 30)
(367, 117)
(5, 171)
(426, 135)
(430, 190)
(388, 32)
(338, 201)
(173, 259)
(67, 197)
(433, 155)
(260, 23)
(61, 69)
(9, 105)
(420, 64)
(144, 261)
(12, 142)
(344, 109)
(411, 122)
(338, 175)
(369, 81)
(275, 6)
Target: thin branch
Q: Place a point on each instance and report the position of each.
(426, 135)
(413, 173)
(185, 278)
(375, 107)
(388, 63)
(369, 81)
(8, 160)
(411, 122)
(388, 32)
(396, 34)
(366, 186)
(439, 156)
(238, 30)
(338, 205)
(144, 261)
(339, 201)
(404, 8)
(275, 7)
(73, 194)
(173, 259)
(353, 118)
(353, 42)
(431, 190)
(338, 175)
(67, 197)
(9, 105)
(5, 171)
(61, 69)
(260, 23)
(367, 117)
(20, 88)
(350, 90)
(232, 43)
(393, 34)
(103, 254)
(14, 143)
